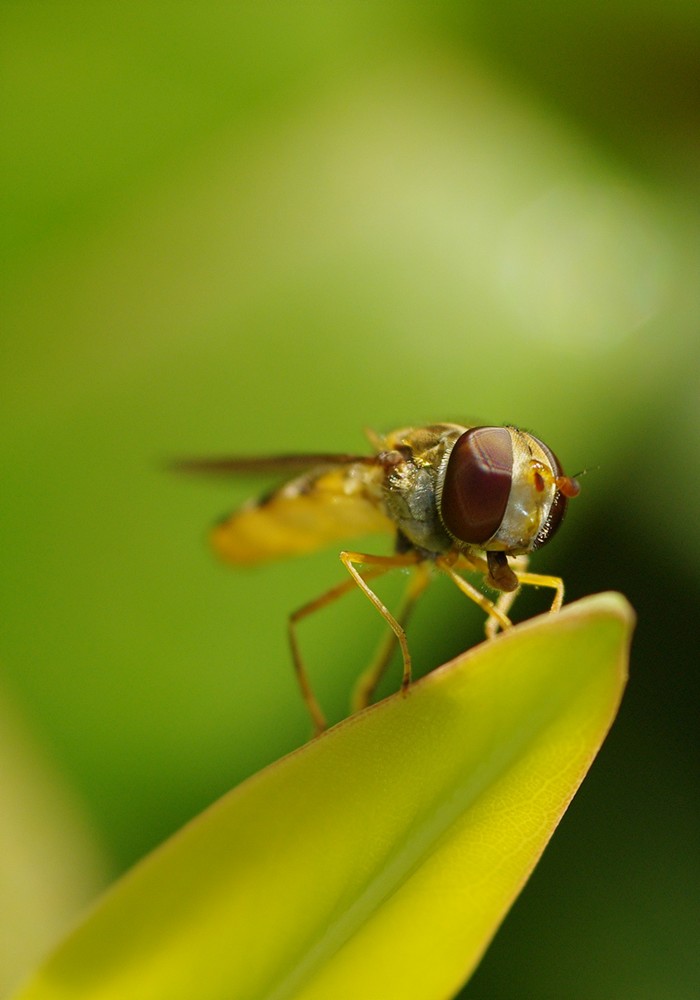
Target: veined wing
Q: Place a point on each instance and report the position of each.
(262, 465)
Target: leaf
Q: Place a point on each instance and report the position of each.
(50, 863)
(379, 859)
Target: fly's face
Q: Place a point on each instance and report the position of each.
(502, 490)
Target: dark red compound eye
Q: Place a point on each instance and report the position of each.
(477, 484)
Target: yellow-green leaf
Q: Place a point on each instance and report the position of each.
(379, 860)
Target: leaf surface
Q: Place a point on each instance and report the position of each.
(378, 860)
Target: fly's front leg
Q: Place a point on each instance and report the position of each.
(520, 571)
(369, 680)
(317, 716)
(554, 583)
(491, 608)
(380, 564)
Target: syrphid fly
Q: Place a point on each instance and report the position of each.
(454, 498)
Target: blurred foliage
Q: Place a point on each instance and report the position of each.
(261, 228)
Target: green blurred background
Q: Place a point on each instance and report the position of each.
(262, 227)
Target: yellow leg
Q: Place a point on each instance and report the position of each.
(498, 610)
(555, 583)
(503, 604)
(378, 565)
(505, 601)
(491, 608)
(383, 563)
(317, 716)
(367, 683)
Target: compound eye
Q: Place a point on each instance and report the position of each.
(477, 484)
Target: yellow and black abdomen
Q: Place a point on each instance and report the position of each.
(304, 515)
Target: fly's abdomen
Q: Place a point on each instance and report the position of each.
(304, 515)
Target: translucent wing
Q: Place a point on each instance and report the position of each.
(260, 465)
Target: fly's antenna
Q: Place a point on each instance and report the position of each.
(584, 472)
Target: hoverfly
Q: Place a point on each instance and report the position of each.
(454, 497)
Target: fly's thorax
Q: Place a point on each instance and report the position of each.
(501, 489)
(411, 487)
